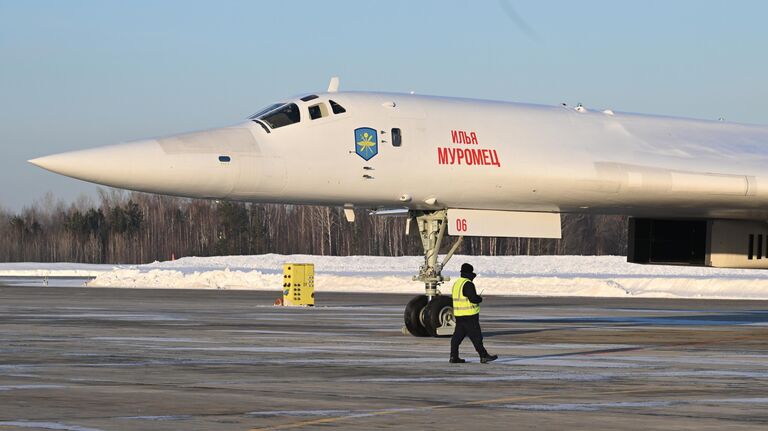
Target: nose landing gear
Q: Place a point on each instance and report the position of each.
(431, 314)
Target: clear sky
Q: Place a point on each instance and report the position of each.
(77, 74)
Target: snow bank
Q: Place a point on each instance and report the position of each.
(41, 270)
(604, 276)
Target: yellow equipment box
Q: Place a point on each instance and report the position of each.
(299, 284)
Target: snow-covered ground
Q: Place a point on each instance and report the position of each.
(606, 276)
(33, 269)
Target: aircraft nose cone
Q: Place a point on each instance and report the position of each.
(201, 164)
(49, 162)
(71, 164)
(110, 165)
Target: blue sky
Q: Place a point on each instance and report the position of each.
(77, 74)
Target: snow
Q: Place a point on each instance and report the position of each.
(587, 407)
(21, 387)
(158, 418)
(45, 425)
(74, 270)
(590, 276)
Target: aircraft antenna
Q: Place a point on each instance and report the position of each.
(333, 86)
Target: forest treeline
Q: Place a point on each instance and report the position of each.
(123, 227)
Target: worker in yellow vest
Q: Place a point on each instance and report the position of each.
(466, 310)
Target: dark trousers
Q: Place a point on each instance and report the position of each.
(468, 326)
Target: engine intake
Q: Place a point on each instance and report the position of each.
(716, 243)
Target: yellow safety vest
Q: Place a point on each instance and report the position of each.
(461, 304)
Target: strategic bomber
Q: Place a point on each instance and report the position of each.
(695, 190)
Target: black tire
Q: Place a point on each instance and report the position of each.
(439, 306)
(412, 316)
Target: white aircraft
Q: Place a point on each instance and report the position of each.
(696, 191)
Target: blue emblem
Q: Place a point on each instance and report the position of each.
(366, 143)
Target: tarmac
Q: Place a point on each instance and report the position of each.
(86, 359)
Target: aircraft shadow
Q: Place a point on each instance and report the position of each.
(724, 319)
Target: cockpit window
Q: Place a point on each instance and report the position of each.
(281, 116)
(319, 110)
(337, 109)
(308, 98)
(265, 110)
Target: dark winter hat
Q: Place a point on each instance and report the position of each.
(467, 268)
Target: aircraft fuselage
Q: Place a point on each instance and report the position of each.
(453, 153)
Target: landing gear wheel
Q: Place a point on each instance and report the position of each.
(414, 316)
(439, 315)
(436, 318)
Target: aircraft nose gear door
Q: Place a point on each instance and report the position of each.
(431, 314)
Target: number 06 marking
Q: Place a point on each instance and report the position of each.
(461, 225)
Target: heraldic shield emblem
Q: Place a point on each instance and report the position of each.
(366, 143)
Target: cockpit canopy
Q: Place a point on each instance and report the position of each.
(284, 114)
(279, 115)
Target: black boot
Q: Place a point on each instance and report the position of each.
(488, 358)
(456, 360)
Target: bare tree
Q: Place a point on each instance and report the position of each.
(135, 227)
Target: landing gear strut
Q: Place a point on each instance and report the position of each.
(431, 314)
